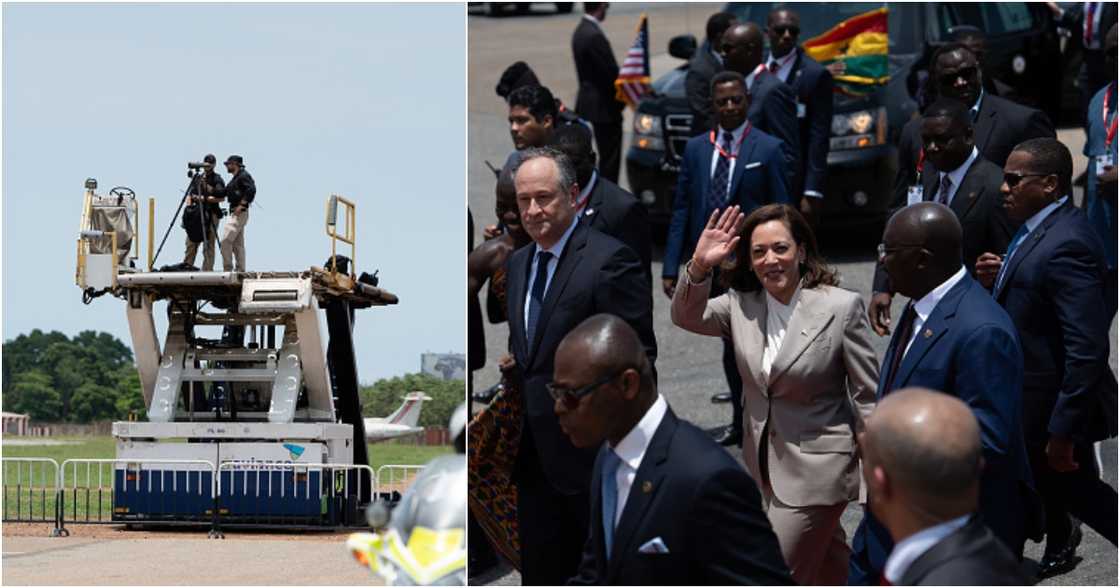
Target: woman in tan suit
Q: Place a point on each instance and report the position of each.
(809, 374)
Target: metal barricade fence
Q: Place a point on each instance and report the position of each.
(394, 479)
(170, 491)
(290, 495)
(30, 482)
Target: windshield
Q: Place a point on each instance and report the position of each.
(819, 17)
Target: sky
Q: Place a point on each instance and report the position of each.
(364, 101)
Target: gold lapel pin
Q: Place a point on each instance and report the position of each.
(647, 487)
(927, 334)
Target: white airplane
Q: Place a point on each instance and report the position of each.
(402, 422)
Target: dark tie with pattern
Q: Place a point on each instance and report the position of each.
(717, 196)
(536, 297)
(774, 67)
(943, 194)
(907, 326)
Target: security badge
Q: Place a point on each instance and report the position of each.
(913, 195)
(1104, 162)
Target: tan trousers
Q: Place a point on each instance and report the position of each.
(813, 542)
(208, 246)
(233, 240)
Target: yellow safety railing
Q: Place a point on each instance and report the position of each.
(349, 234)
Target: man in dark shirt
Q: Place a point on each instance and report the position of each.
(239, 193)
(204, 191)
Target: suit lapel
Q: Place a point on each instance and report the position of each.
(1025, 248)
(935, 327)
(888, 360)
(968, 192)
(930, 183)
(517, 282)
(569, 259)
(647, 483)
(804, 326)
(986, 121)
(795, 71)
(951, 546)
(705, 182)
(746, 151)
(594, 202)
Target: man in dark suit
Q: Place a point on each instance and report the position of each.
(969, 186)
(705, 63)
(954, 338)
(998, 124)
(570, 272)
(597, 71)
(603, 204)
(773, 104)
(746, 168)
(812, 84)
(668, 506)
(1053, 286)
(922, 462)
(1090, 21)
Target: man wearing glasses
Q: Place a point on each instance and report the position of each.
(999, 123)
(570, 272)
(969, 186)
(954, 338)
(668, 506)
(1051, 281)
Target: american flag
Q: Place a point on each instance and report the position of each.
(633, 76)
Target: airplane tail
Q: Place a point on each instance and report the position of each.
(408, 413)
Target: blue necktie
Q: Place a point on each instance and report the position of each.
(717, 196)
(1016, 240)
(609, 489)
(536, 297)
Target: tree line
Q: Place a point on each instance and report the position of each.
(91, 377)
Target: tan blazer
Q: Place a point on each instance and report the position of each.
(822, 384)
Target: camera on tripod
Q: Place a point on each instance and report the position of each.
(195, 168)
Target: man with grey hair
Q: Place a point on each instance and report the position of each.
(922, 461)
(571, 271)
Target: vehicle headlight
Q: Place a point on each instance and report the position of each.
(860, 121)
(647, 124)
(650, 143)
(862, 128)
(840, 124)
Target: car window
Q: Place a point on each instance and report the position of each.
(995, 18)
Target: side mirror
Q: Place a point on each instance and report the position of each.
(682, 46)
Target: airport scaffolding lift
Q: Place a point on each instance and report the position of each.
(256, 407)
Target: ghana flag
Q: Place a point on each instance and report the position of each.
(860, 43)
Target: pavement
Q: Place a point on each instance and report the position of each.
(688, 365)
(176, 561)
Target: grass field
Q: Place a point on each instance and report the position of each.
(29, 488)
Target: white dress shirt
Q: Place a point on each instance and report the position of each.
(585, 193)
(785, 64)
(777, 320)
(908, 550)
(632, 449)
(924, 307)
(736, 135)
(955, 177)
(556, 250)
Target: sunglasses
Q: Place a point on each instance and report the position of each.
(571, 397)
(883, 250)
(781, 31)
(968, 73)
(736, 99)
(1013, 179)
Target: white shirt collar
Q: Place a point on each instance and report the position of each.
(586, 191)
(908, 550)
(594, 21)
(957, 175)
(754, 75)
(557, 248)
(784, 63)
(736, 134)
(927, 303)
(632, 448)
(717, 54)
(1036, 219)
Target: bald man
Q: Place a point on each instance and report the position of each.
(922, 463)
(773, 104)
(953, 337)
(668, 505)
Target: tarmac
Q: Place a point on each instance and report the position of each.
(688, 365)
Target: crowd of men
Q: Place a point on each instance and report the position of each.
(203, 213)
(995, 385)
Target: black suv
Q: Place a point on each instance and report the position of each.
(1022, 52)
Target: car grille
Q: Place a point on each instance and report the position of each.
(678, 130)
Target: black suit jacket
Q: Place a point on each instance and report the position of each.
(595, 273)
(1000, 125)
(812, 84)
(597, 70)
(703, 506)
(698, 88)
(773, 110)
(1073, 18)
(979, 208)
(618, 213)
(970, 556)
(1053, 290)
